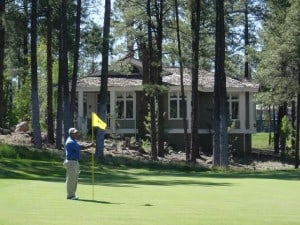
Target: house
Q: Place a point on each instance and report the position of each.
(123, 105)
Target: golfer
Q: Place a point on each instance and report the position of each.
(72, 149)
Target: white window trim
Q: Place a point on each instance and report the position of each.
(230, 101)
(125, 104)
(178, 99)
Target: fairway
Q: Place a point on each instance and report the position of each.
(125, 196)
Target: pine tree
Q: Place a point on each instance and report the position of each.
(279, 81)
(37, 140)
(2, 40)
(75, 60)
(186, 139)
(195, 24)
(50, 123)
(220, 148)
(104, 76)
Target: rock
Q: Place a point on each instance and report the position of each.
(22, 127)
(4, 131)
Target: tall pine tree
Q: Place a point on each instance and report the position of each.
(220, 148)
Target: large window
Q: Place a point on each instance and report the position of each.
(176, 106)
(124, 105)
(233, 104)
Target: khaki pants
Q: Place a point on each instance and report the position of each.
(72, 174)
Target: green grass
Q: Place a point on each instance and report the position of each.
(261, 141)
(33, 192)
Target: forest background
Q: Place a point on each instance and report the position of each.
(45, 44)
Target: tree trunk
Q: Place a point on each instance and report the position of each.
(64, 68)
(283, 136)
(195, 24)
(104, 76)
(297, 124)
(50, 123)
(143, 111)
(270, 125)
(75, 62)
(278, 137)
(2, 44)
(220, 151)
(37, 140)
(152, 81)
(159, 39)
(60, 85)
(59, 111)
(186, 139)
(25, 73)
(160, 126)
(246, 33)
(274, 124)
(294, 121)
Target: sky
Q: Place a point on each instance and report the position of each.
(98, 15)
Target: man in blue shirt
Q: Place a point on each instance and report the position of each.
(72, 149)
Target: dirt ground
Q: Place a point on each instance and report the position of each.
(258, 160)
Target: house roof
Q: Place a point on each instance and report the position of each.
(206, 80)
(113, 81)
(171, 77)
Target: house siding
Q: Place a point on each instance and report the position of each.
(238, 141)
(125, 124)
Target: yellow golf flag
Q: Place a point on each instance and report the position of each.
(97, 122)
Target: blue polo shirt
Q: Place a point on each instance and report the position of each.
(72, 149)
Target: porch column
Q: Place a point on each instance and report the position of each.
(189, 110)
(252, 119)
(242, 109)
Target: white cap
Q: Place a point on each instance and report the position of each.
(73, 130)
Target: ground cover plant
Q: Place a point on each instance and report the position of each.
(33, 192)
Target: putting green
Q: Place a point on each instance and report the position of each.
(138, 197)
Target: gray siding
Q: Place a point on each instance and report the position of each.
(125, 124)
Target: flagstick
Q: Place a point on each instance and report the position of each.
(96, 122)
(93, 162)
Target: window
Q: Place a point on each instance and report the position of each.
(233, 104)
(176, 106)
(124, 105)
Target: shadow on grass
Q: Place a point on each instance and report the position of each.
(31, 169)
(183, 169)
(118, 177)
(120, 172)
(98, 202)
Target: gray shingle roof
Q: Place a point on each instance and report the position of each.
(206, 79)
(114, 81)
(171, 77)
